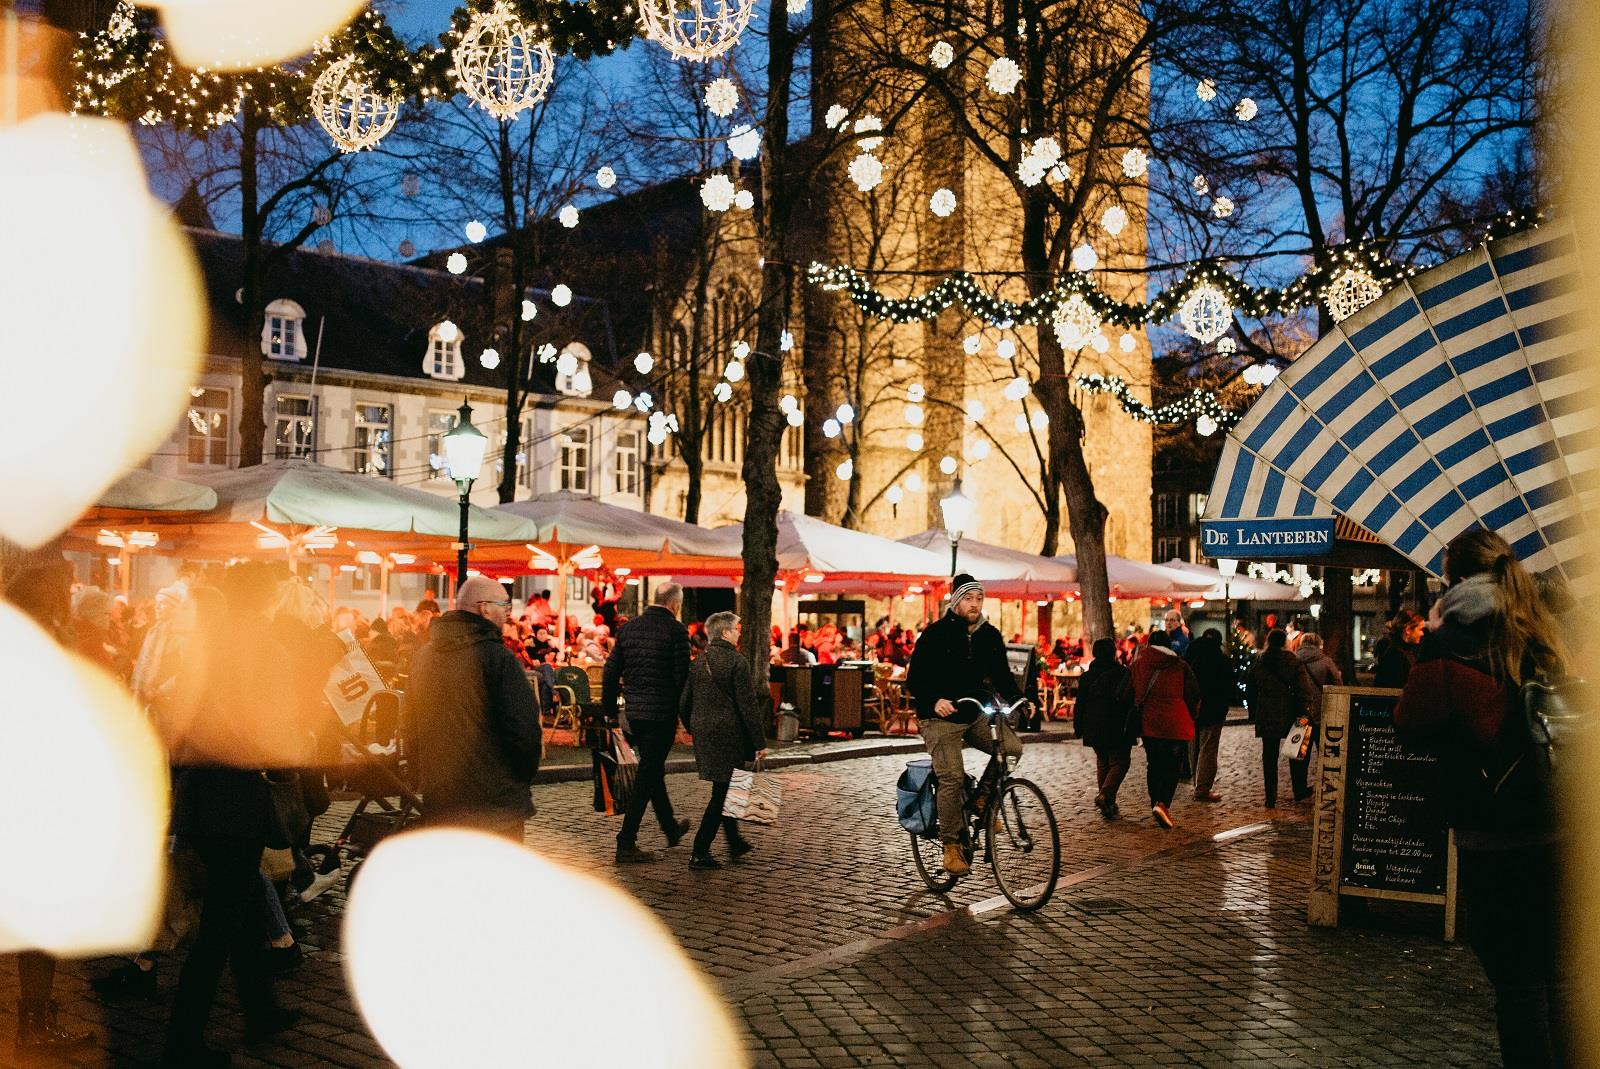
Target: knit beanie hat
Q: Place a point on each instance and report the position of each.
(961, 584)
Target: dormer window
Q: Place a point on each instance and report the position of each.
(443, 358)
(572, 371)
(283, 334)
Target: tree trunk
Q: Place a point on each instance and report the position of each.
(1337, 620)
(252, 374)
(517, 364)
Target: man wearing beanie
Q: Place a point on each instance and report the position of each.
(961, 655)
(475, 720)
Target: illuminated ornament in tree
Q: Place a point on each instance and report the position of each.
(845, 470)
(644, 402)
(867, 124)
(835, 117)
(122, 25)
(696, 30)
(914, 415)
(489, 358)
(914, 442)
(643, 363)
(1005, 349)
(1075, 322)
(1020, 423)
(561, 296)
(455, 263)
(1225, 346)
(1100, 343)
(734, 371)
(1127, 343)
(529, 310)
(1002, 76)
(240, 35)
(971, 344)
(1039, 420)
(605, 178)
(568, 216)
(1135, 163)
(501, 65)
(942, 203)
(353, 114)
(1269, 374)
(1350, 291)
(914, 482)
(1084, 258)
(744, 200)
(718, 193)
(745, 142)
(1205, 426)
(721, 98)
(408, 248)
(1201, 186)
(1206, 314)
(1245, 110)
(980, 449)
(915, 393)
(947, 465)
(830, 428)
(722, 392)
(1113, 219)
(1206, 89)
(788, 403)
(547, 353)
(796, 418)
(1017, 389)
(975, 410)
(866, 171)
(895, 494)
(567, 364)
(621, 399)
(476, 231)
(1060, 173)
(741, 349)
(1222, 207)
(941, 55)
(846, 415)
(795, 7)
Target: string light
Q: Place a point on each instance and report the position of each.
(353, 114)
(696, 30)
(1199, 404)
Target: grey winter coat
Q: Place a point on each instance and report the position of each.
(1323, 673)
(1278, 691)
(720, 709)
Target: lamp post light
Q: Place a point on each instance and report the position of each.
(464, 446)
(1229, 568)
(957, 509)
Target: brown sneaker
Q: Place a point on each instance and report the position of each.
(954, 863)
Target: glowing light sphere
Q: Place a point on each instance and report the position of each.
(1100, 343)
(914, 415)
(1350, 291)
(788, 403)
(448, 332)
(353, 114)
(867, 124)
(1002, 76)
(866, 171)
(1076, 322)
(696, 30)
(567, 364)
(568, 216)
(1222, 207)
(621, 399)
(1205, 426)
(1020, 423)
(547, 353)
(971, 344)
(914, 482)
(830, 428)
(1084, 258)
(1206, 314)
(1017, 389)
(835, 116)
(456, 263)
(605, 178)
(501, 65)
(796, 418)
(718, 193)
(845, 470)
(1201, 185)
(489, 358)
(942, 203)
(975, 410)
(236, 35)
(1114, 219)
(643, 363)
(1252, 375)
(529, 311)
(846, 415)
(476, 231)
(941, 55)
(1227, 345)
(734, 372)
(916, 392)
(741, 349)
(914, 441)
(1127, 343)
(1269, 374)
(1039, 420)
(981, 449)
(561, 295)
(895, 494)
(1245, 110)
(722, 96)
(1206, 89)
(745, 142)
(1005, 349)
(1060, 173)
(744, 200)
(722, 392)
(1135, 163)
(947, 465)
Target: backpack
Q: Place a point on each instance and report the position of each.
(1555, 723)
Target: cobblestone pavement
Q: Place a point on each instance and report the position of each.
(1186, 947)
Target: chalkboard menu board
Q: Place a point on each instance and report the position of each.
(1394, 834)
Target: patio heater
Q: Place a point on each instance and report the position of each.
(957, 509)
(1229, 568)
(464, 446)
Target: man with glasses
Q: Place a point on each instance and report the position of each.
(474, 718)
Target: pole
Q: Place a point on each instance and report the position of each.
(955, 547)
(1227, 618)
(465, 486)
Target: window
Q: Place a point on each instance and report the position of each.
(627, 463)
(572, 371)
(1169, 548)
(443, 359)
(1171, 510)
(296, 429)
(283, 335)
(573, 466)
(499, 456)
(208, 427)
(374, 440)
(439, 423)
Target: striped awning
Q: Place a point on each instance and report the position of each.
(1455, 400)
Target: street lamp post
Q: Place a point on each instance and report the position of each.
(1229, 568)
(957, 509)
(464, 446)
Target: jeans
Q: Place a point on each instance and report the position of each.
(276, 923)
(1205, 758)
(1163, 759)
(1110, 766)
(1513, 904)
(652, 741)
(945, 742)
(713, 819)
(1299, 771)
(230, 931)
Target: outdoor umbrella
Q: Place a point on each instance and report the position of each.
(1239, 588)
(1135, 579)
(1004, 573)
(123, 516)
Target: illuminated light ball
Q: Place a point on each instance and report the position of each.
(1076, 322)
(796, 418)
(741, 350)
(914, 482)
(866, 171)
(734, 371)
(846, 415)
(1227, 345)
(914, 415)
(786, 342)
(621, 399)
(975, 410)
(406, 908)
(1127, 343)
(567, 364)
(788, 403)
(1020, 423)
(1269, 374)
(980, 449)
(914, 442)
(1135, 163)
(561, 295)
(722, 392)
(1205, 426)
(830, 428)
(1113, 219)
(1206, 89)
(448, 332)
(1017, 389)
(947, 465)
(744, 200)
(408, 248)
(456, 264)
(941, 55)
(895, 494)
(942, 203)
(547, 353)
(1101, 344)
(568, 216)
(1060, 173)
(745, 142)
(529, 310)
(696, 30)
(236, 35)
(605, 178)
(865, 125)
(835, 117)
(657, 435)
(582, 382)
(916, 392)
(1350, 291)
(643, 363)
(971, 344)
(644, 402)
(718, 193)
(795, 7)
(1002, 76)
(1005, 349)
(1222, 207)
(1201, 185)
(721, 98)
(1245, 110)
(845, 470)
(476, 231)
(489, 358)
(501, 65)
(1084, 258)
(1252, 375)
(1206, 314)
(1046, 150)
(1039, 420)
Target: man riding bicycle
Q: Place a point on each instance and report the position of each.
(961, 655)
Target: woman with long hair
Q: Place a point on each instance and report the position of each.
(1401, 646)
(1489, 634)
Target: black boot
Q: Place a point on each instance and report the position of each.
(39, 1029)
(126, 982)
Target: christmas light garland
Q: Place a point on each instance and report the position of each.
(1201, 405)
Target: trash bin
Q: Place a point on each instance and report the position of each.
(788, 723)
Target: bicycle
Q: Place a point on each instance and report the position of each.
(1010, 820)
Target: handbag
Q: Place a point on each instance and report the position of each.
(618, 767)
(1297, 744)
(288, 821)
(753, 796)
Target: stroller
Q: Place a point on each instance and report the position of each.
(374, 766)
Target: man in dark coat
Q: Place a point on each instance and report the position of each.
(1218, 688)
(474, 718)
(960, 655)
(648, 668)
(1279, 692)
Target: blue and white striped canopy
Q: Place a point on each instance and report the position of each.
(1458, 399)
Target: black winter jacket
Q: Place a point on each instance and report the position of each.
(648, 666)
(951, 662)
(474, 722)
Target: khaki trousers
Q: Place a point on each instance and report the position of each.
(945, 741)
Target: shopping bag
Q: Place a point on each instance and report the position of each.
(619, 765)
(1297, 744)
(753, 797)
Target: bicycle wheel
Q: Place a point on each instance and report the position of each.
(929, 855)
(1024, 845)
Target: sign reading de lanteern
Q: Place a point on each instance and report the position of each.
(1266, 539)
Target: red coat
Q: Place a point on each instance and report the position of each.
(1174, 695)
